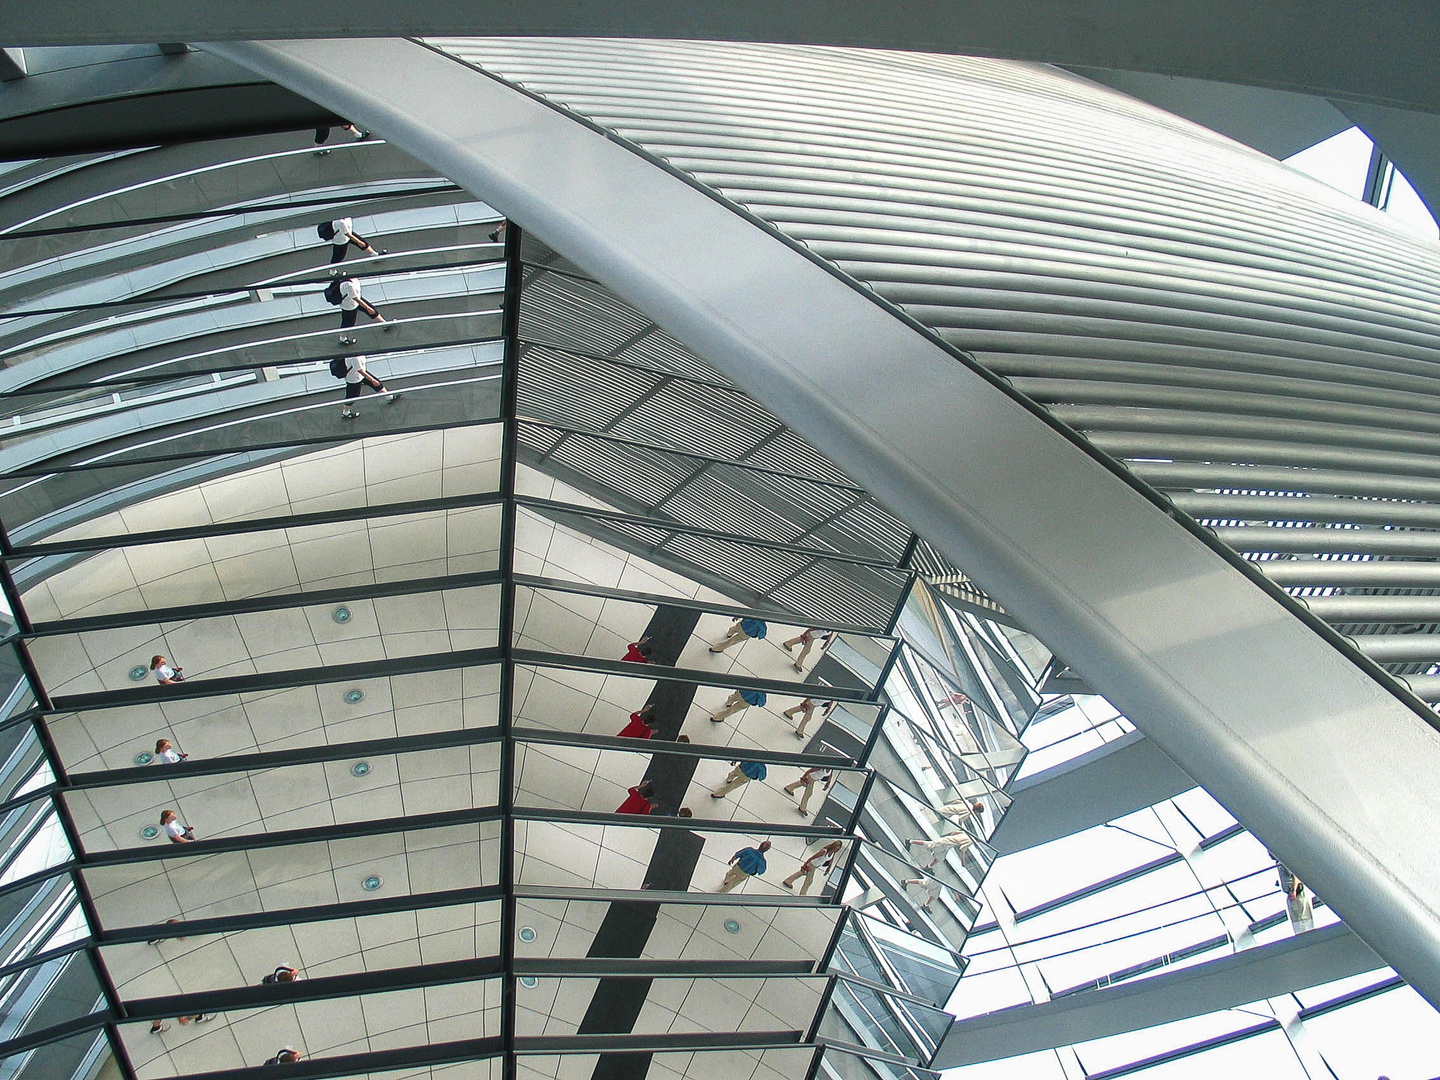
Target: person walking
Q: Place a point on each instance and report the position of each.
(357, 378)
(638, 652)
(925, 892)
(164, 673)
(820, 862)
(282, 974)
(741, 630)
(642, 724)
(746, 863)
(807, 707)
(285, 1056)
(740, 699)
(173, 828)
(955, 841)
(641, 799)
(322, 136)
(806, 638)
(741, 774)
(341, 234)
(347, 293)
(817, 774)
(166, 754)
(960, 812)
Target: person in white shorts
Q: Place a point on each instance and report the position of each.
(351, 304)
(356, 378)
(342, 237)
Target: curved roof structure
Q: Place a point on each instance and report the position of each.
(773, 310)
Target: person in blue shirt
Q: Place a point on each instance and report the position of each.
(740, 699)
(746, 863)
(742, 630)
(743, 773)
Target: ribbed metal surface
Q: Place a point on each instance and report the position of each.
(1196, 308)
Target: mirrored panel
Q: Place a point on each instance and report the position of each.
(666, 931)
(840, 1064)
(777, 1063)
(369, 471)
(359, 630)
(304, 875)
(241, 1038)
(827, 590)
(300, 951)
(552, 854)
(654, 781)
(927, 902)
(308, 796)
(325, 714)
(864, 1016)
(591, 623)
(216, 569)
(45, 995)
(665, 1006)
(909, 963)
(64, 1059)
(595, 703)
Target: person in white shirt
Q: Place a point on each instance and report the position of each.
(165, 754)
(164, 673)
(342, 237)
(351, 304)
(178, 832)
(357, 377)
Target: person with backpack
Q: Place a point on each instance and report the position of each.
(352, 369)
(742, 630)
(740, 699)
(342, 235)
(346, 293)
(743, 773)
(282, 974)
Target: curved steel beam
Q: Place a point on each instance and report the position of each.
(1329, 768)
(1379, 52)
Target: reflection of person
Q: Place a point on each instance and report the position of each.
(806, 639)
(740, 699)
(641, 799)
(642, 724)
(357, 378)
(342, 236)
(746, 863)
(807, 707)
(741, 630)
(959, 812)
(287, 1056)
(322, 135)
(282, 974)
(165, 754)
(925, 892)
(822, 860)
(742, 773)
(164, 673)
(818, 774)
(351, 305)
(937, 848)
(177, 832)
(639, 651)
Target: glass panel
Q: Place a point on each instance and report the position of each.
(195, 963)
(664, 1006)
(381, 786)
(597, 704)
(631, 857)
(298, 875)
(44, 995)
(338, 554)
(387, 707)
(839, 1064)
(66, 1059)
(241, 1038)
(778, 1063)
(863, 1016)
(664, 931)
(609, 781)
(370, 471)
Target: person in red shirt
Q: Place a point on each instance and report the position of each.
(642, 724)
(641, 801)
(639, 651)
